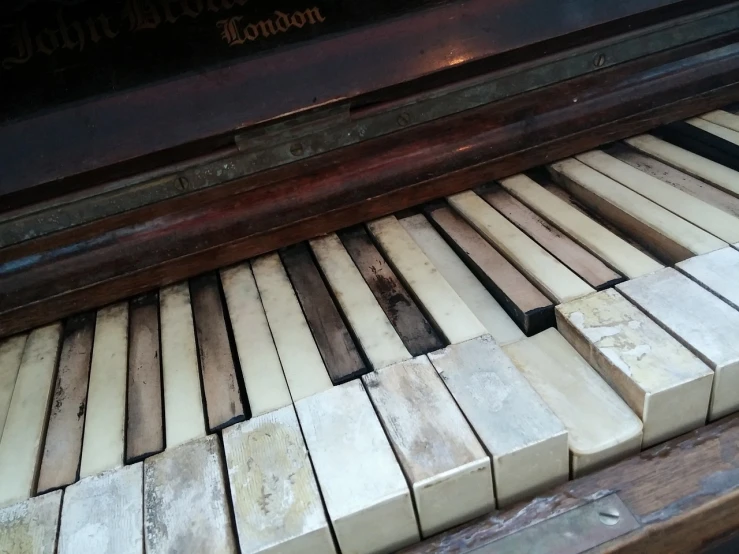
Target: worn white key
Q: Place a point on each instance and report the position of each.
(719, 175)
(723, 118)
(302, 363)
(527, 442)
(22, 442)
(449, 472)
(675, 238)
(704, 323)
(260, 365)
(379, 340)
(104, 513)
(451, 315)
(556, 280)
(183, 404)
(497, 322)
(363, 487)
(648, 368)
(277, 506)
(609, 247)
(602, 429)
(11, 351)
(717, 271)
(30, 527)
(720, 131)
(702, 214)
(185, 502)
(103, 444)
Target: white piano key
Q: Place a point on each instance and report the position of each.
(658, 229)
(723, 118)
(301, 361)
(704, 323)
(527, 442)
(648, 368)
(30, 527)
(602, 429)
(183, 403)
(717, 271)
(22, 442)
(714, 173)
(363, 487)
(450, 314)
(264, 379)
(11, 351)
(497, 322)
(449, 472)
(702, 214)
(185, 503)
(377, 337)
(556, 280)
(104, 513)
(277, 506)
(103, 443)
(720, 131)
(609, 247)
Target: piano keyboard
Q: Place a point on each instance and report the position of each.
(376, 386)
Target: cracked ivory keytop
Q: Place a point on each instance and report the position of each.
(667, 386)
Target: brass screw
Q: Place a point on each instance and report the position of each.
(296, 149)
(404, 119)
(182, 183)
(599, 60)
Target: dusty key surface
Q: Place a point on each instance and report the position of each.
(30, 527)
(104, 513)
(717, 271)
(527, 442)
(277, 506)
(448, 470)
(363, 487)
(11, 351)
(602, 429)
(648, 368)
(704, 323)
(185, 503)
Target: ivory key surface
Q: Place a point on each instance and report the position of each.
(185, 503)
(302, 363)
(717, 271)
(183, 404)
(721, 176)
(363, 487)
(701, 321)
(549, 274)
(277, 506)
(22, 441)
(641, 361)
(264, 380)
(496, 321)
(702, 214)
(609, 247)
(63, 444)
(525, 439)
(601, 428)
(30, 527)
(720, 131)
(104, 513)
(723, 118)
(11, 351)
(451, 315)
(377, 337)
(658, 229)
(103, 444)
(449, 472)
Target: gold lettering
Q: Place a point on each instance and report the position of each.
(297, 20)
(313, 15)
(267, 28)
(230, 30)
(75, 27)
(282, 21)
(141, 14)
(22, 46)
(251, 32)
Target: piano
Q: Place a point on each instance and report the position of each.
(343, 277)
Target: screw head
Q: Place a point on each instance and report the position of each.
(404, 119)
(609, 516)
(182, 183)
(296, 149)
(599, 60)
